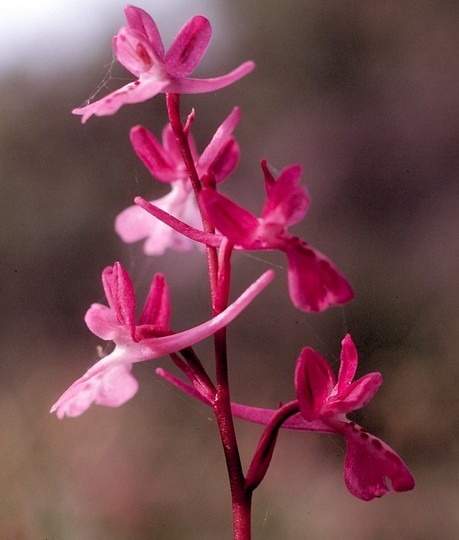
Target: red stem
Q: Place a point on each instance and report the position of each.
(173, 109)
(219, 277)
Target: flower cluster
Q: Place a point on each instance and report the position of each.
(195, 211)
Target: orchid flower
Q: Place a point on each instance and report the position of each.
(322, 405)
(166, 164)
(314, 283)
(139, 48)
(109, 381)
(369, 462)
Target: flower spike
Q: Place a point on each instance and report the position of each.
(139, 48)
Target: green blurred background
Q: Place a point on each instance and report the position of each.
(364, 96)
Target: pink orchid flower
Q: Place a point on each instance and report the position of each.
(165, 163)
(110, 382)
(369, 461)
(323, 404)
(314, 283)
(139, 48)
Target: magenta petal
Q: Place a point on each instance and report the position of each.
(121, 297)
(355, 395)
(269, 178)
(157, 307)
(371, 464)
(348, 363)
(155, 158)
(188, 47)
(286, 203)
(134, 92)
(226, 161)
(239, 225)
(140, 21)
(199, 86)
(314, 381)
(219, 141)
(314, 283)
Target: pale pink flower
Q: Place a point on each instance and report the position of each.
(314, 283)
(109, 381)
(139, 48)
(371, 469)
(166, 164)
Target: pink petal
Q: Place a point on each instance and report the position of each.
(111, 386)
(286, 203)
(140, 21)
(314, 380)
(371, 464)
(116, 386)
(107, 273)
(355, 395)
(134, 92)
(135, 53)
(270, 181)
(102, 322)
(188, 47)
(154, 156)
(314, 283)
(239, 225)
(199, 86)
(157, 307)
(348, 365)
(226, 161)
(219, 142)
(134, 223)
(120, 294)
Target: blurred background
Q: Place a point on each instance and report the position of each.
(364, 96)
